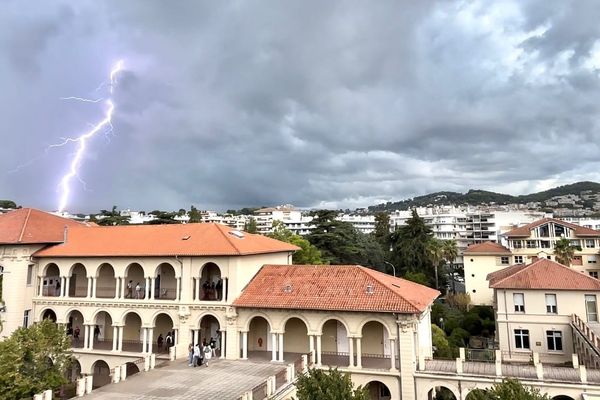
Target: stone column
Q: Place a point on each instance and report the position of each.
(406, 346)
(351, 352)
(117, 283)
(244, 345)
(318, 349)
(393, 354)
(94, 286)
(178, 291)
(120, 346)
(62, 286)
(176, 337)
(115, 338)
(195, 331)
(280, 346)
(273, 347)
(147, 291)
(223, 343)
(89, 287)
(86, 333)
(145, 341)
(226, 289)
(41, 293)
(67, 285)
(359, 352)
(153, 288)
(197, 289)
(123, 285)
(91, 336)
(150, 339)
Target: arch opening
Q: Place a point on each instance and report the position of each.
(334, 343)
(132, 368)
(212, 283)
(375, 342)
(49, 314)
(135, 282)
(378, 391)
(133, 339)
(441, 393)
(562, 397)
(295, 338)
(210, 333)
(78, 281)
(74, 327)
(103, 331)
(163, 333)
(106, 283)
(51, 285)
(260, 341)
(101, 373)
(165, 282)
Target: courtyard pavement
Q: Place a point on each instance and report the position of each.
(222, 380)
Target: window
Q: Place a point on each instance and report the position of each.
(590, 243)
(519, 300)
(517, 244)
(591, 259)
(554, 340)
(590, 308)
(504, 260)
(551, 304)
(531, 244)
(545, 244)
(518, 259)
(29, 274)
(593, 274)
(26, 318)
(522, 338)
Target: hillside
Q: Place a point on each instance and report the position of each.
(586, 195)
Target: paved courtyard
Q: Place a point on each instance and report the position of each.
(222, 380)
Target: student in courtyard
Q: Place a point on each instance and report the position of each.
(212, 343)
(191, 354)
(129, 294)
(138, 289)
(196, 354)
(58, 287)
(207, 353)
(169, 340)
(96, 332)
(159, 342)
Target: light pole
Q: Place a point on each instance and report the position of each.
(393, 267)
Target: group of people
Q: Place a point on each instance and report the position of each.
(199, 355)
(139, 294)
(212, 290)
(169, 341)
(75, 333)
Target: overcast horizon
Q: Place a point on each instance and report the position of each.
(337, 104)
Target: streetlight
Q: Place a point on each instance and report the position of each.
(391, 265)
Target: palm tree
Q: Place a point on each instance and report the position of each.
(564, 251)
(450, 252)
(435, 249)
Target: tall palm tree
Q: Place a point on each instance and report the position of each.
(450, 252)
(435, 250)
(564, 251)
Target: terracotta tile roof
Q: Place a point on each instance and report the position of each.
(525, 230)
(542, 274)
(335, 288)
(162, 240)
(29, 226)
(487, 248)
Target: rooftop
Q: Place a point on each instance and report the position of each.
(334, 287)
(487, 248)
(525, 230)
(31, 226)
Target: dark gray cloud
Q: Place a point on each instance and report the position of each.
(338, 103)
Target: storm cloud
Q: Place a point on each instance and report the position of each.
(318, 104)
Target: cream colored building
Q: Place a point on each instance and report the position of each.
(534, 306)
(122, 287)
(524, 245)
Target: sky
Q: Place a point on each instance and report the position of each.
(336, 104)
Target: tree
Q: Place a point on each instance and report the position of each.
(308, 254)
(435, 250)
(250, 226)
(336, 240)
(382, 230)
(509, 389)
(8, 204)
(110, 218)
(195, 215)
(328, 385)
(34, 359)
(409, 244)
(441, 347)
(450, 252)
(564, 251)
(417, 277)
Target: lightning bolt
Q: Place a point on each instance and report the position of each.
(104, 125)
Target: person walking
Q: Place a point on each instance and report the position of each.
(213, 345)
(196, 354)
(76, 334)
(190, 354)
(129, 294)
(159, 342)
(169, 340)
(138, 289)
(207, 353)
(96, 332)
(57, 293)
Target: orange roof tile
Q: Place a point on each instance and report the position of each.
(487, 248)
(333, 287)
(29, 226)
(162, 240)
(542, 274)
(525, 230)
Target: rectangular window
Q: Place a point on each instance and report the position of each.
(531, 244)
(522, 338)
(551, 304)
(517, 244)
(554, 340)
(519, 300)
(590, 308)
(29, 274)
(518, 259)
(26, 318)
(504, 260)
(593, 274)
(591, 259)
(590, 243)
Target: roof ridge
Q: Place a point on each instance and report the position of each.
(374, 276)
(228, 239)
(24, 225)
(526, 267)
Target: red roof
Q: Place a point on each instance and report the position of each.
(162, 240)
(29, 226)
(542, 274)
(487, 248)
(525, 230)
(335, 288)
